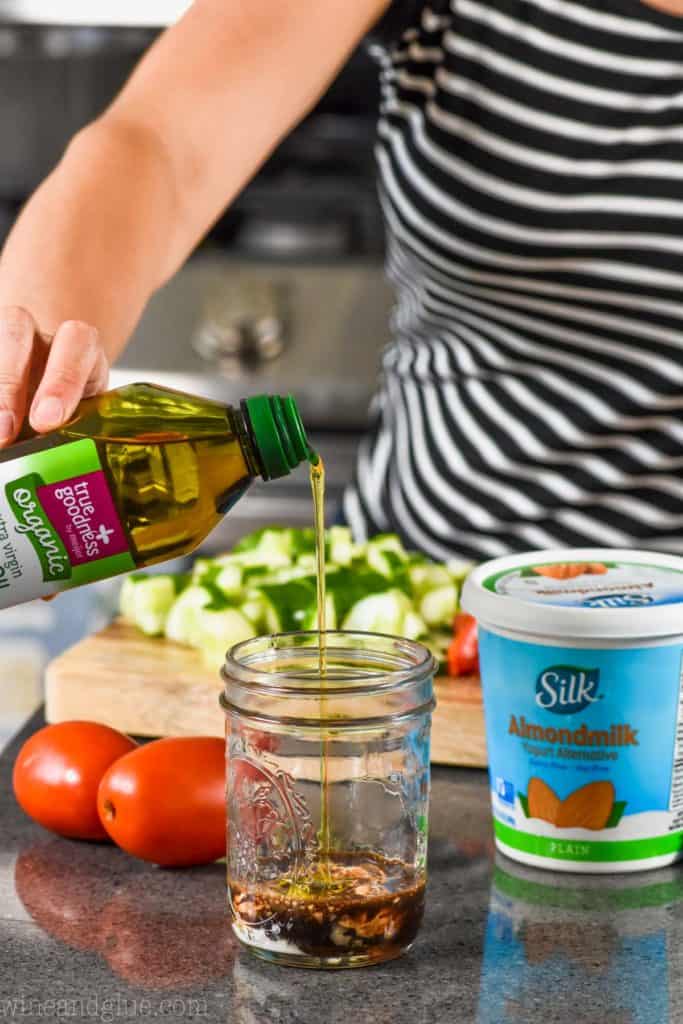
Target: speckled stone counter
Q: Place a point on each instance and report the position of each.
(87, 933)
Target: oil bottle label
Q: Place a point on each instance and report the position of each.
(58, 523)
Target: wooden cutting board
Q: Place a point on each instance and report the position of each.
(152, 687)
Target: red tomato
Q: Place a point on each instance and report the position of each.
(463, 653)
(58, 770)
(165, 801)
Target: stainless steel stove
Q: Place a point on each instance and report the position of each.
(228, 328)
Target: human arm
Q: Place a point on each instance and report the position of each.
(138, 188)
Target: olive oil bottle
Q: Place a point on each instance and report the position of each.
(139, 475)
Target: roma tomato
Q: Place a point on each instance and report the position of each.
(463, 652)
(165, 801)
(58, 770)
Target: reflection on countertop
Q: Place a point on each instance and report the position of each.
(108, 938)
(591, 949)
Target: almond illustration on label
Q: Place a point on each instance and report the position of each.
(588, 807)
(543, 802)
(570, 570)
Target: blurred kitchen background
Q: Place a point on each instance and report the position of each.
(287, 293)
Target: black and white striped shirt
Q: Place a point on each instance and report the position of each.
(531, 167)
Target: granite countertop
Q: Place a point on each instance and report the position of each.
(89, 933)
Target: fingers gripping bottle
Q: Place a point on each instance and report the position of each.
(139, 475)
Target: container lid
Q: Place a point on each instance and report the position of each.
(278, 434)
(581, 593)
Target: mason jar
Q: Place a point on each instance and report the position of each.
(327, 795)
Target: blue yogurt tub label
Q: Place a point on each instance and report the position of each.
(584, 732)
(586, 761)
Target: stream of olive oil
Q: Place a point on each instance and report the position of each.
(318, 488)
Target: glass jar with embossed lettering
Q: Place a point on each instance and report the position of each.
(327, 795)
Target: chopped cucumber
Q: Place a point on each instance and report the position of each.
(283, 575)
(218, 631)
(271, 547)
(311, 620)
(340, 547)
(388, 542)
(458, 569)
(292, 601)
(414, 627)
(379, 561)
(350, 585)
(203, 567)
(379, 613)
(127, 595)
(303, 541)
(254, 539)
(438, 607)
(147, 600)
(253, 573)
(429, 576)
(438, 642)
(267, 584)
(261, 612)
(229, 580)
(385, 554)
(182, 621)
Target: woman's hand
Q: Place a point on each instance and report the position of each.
(45, 378)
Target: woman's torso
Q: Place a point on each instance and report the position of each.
(531, 167)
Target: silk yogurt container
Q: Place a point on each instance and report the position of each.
(581, 655)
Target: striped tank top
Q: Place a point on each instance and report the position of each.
(530, 157)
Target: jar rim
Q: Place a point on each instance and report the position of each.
(406, 662)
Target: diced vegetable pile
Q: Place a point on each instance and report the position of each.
(267, 585)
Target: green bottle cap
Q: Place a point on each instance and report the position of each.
(278, 434)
